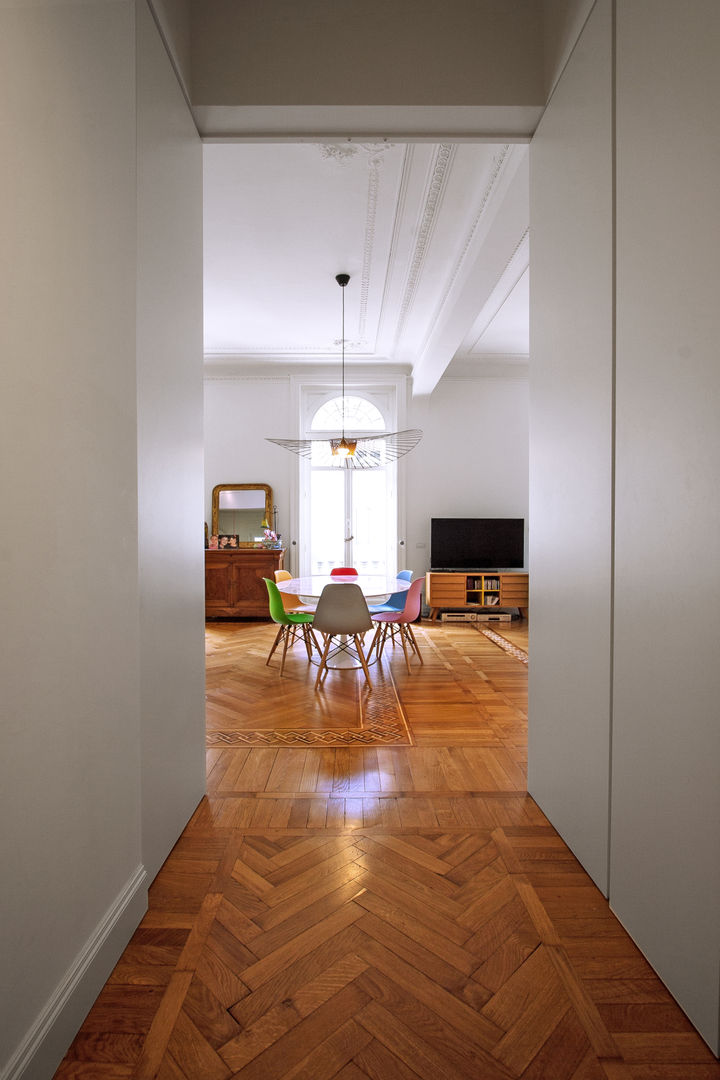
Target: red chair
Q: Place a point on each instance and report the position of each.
(388, 620)
(344, 571)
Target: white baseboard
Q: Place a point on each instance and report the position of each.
(41, 1051)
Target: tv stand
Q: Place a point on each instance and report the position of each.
(476, 590)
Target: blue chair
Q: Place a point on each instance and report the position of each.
(395, 602)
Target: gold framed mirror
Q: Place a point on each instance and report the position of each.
(242, 510)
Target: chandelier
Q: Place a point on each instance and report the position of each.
(347, 451)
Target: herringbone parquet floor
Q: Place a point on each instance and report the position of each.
(379, 911)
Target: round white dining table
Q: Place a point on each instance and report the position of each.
(375, 589)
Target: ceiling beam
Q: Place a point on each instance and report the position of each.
(499, 236)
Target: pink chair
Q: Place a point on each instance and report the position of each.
(344, 571)
(390, 620)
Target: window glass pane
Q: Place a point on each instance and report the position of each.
(360, 415)
(370, 510)
(327, 521)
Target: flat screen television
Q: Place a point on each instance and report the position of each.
(477, 543)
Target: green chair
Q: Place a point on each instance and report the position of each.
(292, 625)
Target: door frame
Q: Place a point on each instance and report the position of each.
(363, 383)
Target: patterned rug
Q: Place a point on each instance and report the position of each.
(503, 643)
(381, 721)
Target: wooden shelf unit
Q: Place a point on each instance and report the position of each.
(234, 586)
(475, 590)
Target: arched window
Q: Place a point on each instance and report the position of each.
(360, 415)
(352, 512)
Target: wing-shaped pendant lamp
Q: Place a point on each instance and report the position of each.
(368, 452)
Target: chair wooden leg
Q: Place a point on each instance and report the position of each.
(288, 638)
(382, 634)
(404, 648)
(414, 643)
(363, 661)
(323, 661)
(276, 642)
(306, 640)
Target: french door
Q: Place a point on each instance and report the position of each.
(353, 520)
(347, 517)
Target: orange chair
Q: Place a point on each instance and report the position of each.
(291, 602)
(344, 571)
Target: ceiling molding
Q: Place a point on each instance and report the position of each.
(301, 352)
(490, 187)
(386, 321)
(422, 230)
(238, 377)
(340, 154)
(342, 151)
(375, 163)
(437, 183)
(366, 373)
(360, 344)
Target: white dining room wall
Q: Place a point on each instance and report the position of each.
(471, 462)
(473, 457)
(240, 413)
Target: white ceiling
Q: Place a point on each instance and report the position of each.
(434, 237)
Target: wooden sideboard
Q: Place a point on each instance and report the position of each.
(234, 585)
(476, 590)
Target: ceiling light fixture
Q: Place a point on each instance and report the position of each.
(367, 452)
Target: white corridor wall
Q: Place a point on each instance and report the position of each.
(624, 747)
(71, 857)
(90, 685)
(170, 450)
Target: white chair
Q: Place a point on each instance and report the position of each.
(341, 614)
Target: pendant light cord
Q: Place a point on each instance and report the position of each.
(342, 280)
(342, 342)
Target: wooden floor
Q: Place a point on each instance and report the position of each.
(390, 908)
